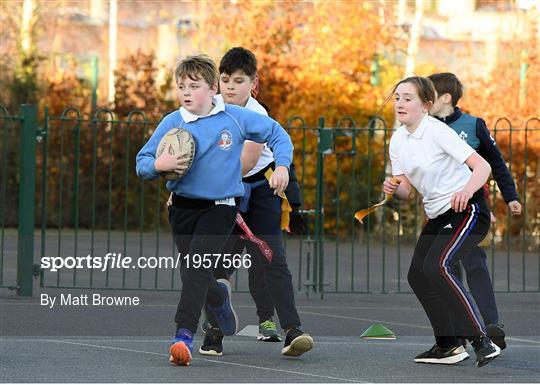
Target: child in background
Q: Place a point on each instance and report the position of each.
(474, 131)
(270, 284)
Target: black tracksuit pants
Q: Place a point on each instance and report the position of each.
(479, 281)
(198, 227)
(257, 287)
(445, 239)
(264, 220)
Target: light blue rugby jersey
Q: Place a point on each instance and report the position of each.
(219, 139)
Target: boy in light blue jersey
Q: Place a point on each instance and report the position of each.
(205, 199)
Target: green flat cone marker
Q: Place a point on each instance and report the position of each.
(378, 332)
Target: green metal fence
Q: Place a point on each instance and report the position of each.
(375, 257)
(74, 191)
(11, 125)
(96, 204)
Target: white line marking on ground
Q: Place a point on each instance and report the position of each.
(213, 361)
(344, 341)
(523, 340)
(299, 307)
(390, 308)
(365, 319)
(401, 324)
(290, 371)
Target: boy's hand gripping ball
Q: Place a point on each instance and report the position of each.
(177, 141)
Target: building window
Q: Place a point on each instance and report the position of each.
(495, 5)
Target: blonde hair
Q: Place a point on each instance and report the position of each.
(197, 67)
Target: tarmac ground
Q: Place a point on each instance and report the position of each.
(130, 343)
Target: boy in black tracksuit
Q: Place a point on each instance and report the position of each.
(257, 286)
(473, 130)
(270, 283)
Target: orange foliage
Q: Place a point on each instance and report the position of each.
(509, 100)
(138, 87)
(315, 60)
(63, 89)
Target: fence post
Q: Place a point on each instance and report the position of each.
(27, 196)
(324, 146)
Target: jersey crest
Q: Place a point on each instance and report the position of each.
(225, 140)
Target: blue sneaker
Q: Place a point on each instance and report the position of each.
(224, 315)
(181, 347)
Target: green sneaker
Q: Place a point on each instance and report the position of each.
(268, 332)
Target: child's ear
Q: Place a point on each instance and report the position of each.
(447, 98)
(214, 90)
(255, 87)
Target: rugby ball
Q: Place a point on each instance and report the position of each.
(177, 141)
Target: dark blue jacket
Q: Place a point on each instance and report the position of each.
(475, 132)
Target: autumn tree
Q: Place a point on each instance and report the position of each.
(317, 59)
(104, 148)
(137, 87)
(508, 99)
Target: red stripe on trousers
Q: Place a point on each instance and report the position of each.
(456, 290)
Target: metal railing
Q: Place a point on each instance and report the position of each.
(375, 256)
(79, 186)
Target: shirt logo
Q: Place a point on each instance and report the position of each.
(225, 140)
(463, 135)
(448, 226)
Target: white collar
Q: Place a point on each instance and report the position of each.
(251, 104)
(419, 132)
(254, 105)
(189, 117)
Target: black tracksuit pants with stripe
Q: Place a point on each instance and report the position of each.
(445, 239)
(479, 282)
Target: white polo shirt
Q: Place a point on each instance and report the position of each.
(432, 158)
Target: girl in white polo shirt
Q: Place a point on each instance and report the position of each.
(430, 156)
